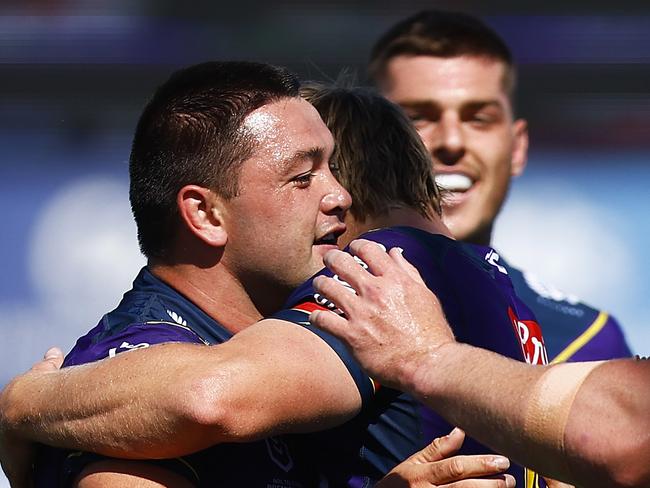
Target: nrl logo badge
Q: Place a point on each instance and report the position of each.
(279, 453)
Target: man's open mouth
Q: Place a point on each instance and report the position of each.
(330, 239)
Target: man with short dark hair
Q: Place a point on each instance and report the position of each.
(455, 78)
(235, 205)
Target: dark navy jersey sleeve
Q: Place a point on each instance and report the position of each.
(299, 314)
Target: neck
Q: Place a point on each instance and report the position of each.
(402, 216)
(213, 290)
(482, 237)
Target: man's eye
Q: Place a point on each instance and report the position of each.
(420, 121)
(335, 169)
(484, 119)
(416, 117)
(303, 180)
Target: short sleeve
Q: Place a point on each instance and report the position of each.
(299, 314)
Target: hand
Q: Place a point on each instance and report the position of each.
(432, 467)
(16, 452)
(391, 322)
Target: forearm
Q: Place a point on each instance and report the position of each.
(606, 434)
(479, 391)
(123, 406)
(172, 399)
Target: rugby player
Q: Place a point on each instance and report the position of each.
(222, 151)
(456, 80)
(395, 203)
(586, 422)
(235, 205)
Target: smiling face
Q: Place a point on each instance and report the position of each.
(290, 208)
(462, 112)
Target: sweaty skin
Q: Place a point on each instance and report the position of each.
(434, 466)
(396, 329)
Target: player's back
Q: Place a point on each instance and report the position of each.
(480, 305)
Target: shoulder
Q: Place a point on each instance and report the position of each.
(127, 328)
(573, 330)
(131, 337)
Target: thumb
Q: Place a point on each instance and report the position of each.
(52, 360)
(440, 448)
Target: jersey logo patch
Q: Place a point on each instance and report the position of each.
(493, 258)
(113, 351)
(530, 338)
(177, 318)
(279, 453)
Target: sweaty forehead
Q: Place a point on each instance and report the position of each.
(285, 127)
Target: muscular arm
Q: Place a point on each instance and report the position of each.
(604, 442)
(587, 426)
(274, 377)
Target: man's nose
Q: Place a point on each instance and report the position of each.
(337, 201)
(449, 145)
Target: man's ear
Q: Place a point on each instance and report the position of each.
(520, 147)
(201, 213)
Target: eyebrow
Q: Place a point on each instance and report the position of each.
(426, 103)
(478, 104)
(313, 154)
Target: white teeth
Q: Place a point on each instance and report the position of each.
(454, 182)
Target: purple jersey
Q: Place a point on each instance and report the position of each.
(480, 304)
(152, 313)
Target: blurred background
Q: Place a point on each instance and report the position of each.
(74, 75)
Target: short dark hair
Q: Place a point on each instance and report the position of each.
(441, 34)
(189, 134)
(381, 159)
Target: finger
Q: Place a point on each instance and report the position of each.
(440, 448)
(330, 322)
(397, 254)
(463, 467)
(341, 295)
(52, 360)
(53, 353)
(502, 481)
(373, 254)
(347, 269)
